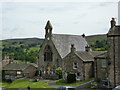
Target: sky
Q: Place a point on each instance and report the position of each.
(119, 12)
(28, 19)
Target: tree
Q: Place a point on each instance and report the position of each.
(58, 72)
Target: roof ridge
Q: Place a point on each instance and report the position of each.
(104, 52)
(79, 56)
(89, 53)
(67, 34)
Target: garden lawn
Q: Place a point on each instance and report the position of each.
(22, 83)
(59, 82)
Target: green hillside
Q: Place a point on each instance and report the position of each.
(22, 41)
(22, 49)
(97, 42)
(27, 49)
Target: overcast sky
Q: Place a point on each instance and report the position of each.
(28, 19)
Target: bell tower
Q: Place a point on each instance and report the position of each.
(113, 37)
(48, 30)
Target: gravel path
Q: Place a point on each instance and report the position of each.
(52, 83)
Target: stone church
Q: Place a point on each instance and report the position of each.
(70, 53)
(54, 48)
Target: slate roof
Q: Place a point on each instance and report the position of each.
(16, 66)
(88, 56)
(63, 43)
(115, 30)
(103, 55)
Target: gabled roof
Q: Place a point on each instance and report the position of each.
(103, 55)
(63, 43)
(88, 56)
(114, 31)
(16, 66)
(96, 53)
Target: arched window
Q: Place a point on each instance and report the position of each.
(48, 53)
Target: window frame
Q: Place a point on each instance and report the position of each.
(75, 65)
(19, 72)
(103, 63)
(48, 54)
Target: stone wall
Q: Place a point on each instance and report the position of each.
(68, 66)
(100, 72)
(89, 70)
(114, 55)
(55, 63)
(31, 70)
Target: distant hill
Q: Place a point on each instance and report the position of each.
(23, 41)
(92, 38)
(27, 49)
(97, 42)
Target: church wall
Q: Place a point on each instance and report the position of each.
(114, 54)
(111, 67)
(55, 63)
(117, 57)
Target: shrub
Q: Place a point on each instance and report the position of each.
(58, 72)
(88, 86)
(7, 80)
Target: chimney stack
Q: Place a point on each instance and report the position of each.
(73, 49)
(87, 48)
(83, 35)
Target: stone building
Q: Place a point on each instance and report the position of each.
(18, 70)
(100, 67)
(114, 53)
(54, 48)
(6, 60)
(80, 63)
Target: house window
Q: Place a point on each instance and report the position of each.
(75, 65)
(103, 63)
(7, 76)
(48, 55)
(18, 72)
(48, 38)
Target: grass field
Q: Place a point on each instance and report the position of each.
(21, 83)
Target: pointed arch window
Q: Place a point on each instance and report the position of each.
(48, 55)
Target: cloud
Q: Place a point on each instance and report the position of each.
(23, 19)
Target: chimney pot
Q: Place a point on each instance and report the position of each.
(73, 49)
(87, 48)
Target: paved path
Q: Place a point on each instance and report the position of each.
(83, 84)
(53, 83)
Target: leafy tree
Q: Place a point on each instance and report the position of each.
(99, 45)
(58, 72)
